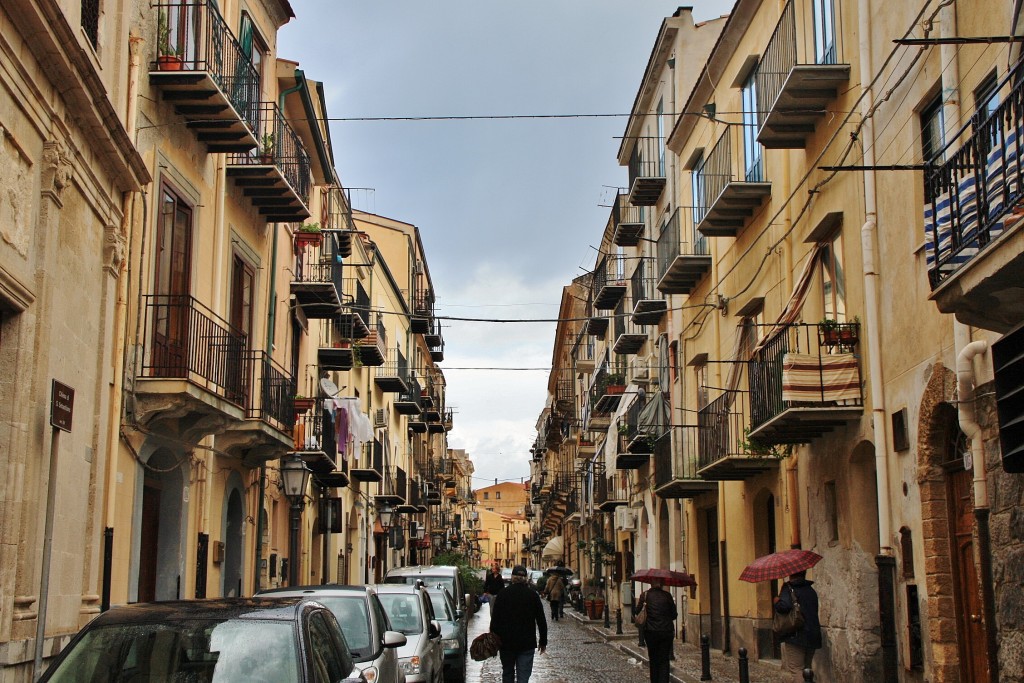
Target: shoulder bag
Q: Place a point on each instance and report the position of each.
(786, 625)
(641, 617)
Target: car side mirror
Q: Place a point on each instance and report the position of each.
(435, 629)
(459, 613)
(468, 599)
(394, 639)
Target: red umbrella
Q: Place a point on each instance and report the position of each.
(668, 577)
(779, 565)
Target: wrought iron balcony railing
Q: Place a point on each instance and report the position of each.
(627, 221)
(272, 398)
(189, 341)
(609, 282)
(729, 184)
(684, 256)
(646, 171)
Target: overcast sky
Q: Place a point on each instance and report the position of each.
(507, 209)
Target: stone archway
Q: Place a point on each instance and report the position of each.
(934, 416)
(233, 530)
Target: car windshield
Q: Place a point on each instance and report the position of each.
(411, 580)
(441, 609)
(354, 619)
(239, 651)
(403, 611)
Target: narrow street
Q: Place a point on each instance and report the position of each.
(581, 650)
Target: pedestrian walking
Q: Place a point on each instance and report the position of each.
(659, 629)
(554, 591)
(493, 583)
(798, 649)
(517, 615)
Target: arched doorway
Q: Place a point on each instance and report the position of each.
(160, 527)
(765, 542)
(958, 636)
(664, 538)
(234, 517)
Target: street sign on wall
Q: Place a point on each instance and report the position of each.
(62, 406)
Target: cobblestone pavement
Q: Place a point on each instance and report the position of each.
(582, 650)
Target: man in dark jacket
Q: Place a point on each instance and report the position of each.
(659, 629)
(493, 583)
(516, 616)
(798, 649)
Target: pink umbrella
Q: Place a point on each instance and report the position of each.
(779, 565)
(668, 577)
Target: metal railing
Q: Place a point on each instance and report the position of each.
(726, 163)
(611, 270)
(680, 237)
(809, 37)
(395, 365)
(641, 285)
(370, 457)
(647, 160)
(584, 348)
(722, 428)
(669, 465)
(189, 341)
(320, 263)
(313, 431)
(423, 301)
(336, 209)
(272, 397)
(281, 146)
(192, 36)
(624, 212)
(968, 196)
(764, 370)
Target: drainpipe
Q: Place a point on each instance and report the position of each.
(885, 560)
(793, 504)
(967, 413)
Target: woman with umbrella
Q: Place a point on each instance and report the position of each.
(659, 629)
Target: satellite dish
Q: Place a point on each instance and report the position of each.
(329, 387)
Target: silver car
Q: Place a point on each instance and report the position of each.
(371, 639)
(411, 613)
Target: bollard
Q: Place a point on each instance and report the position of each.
(744, 666)
(618, 621)
(607, 616)
(705, 658)
(808, 676)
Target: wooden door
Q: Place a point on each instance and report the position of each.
(971, 633)
(150, 536)
(172, 285)
(714, 578)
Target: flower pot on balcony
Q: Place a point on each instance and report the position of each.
(303, 404)
(305, 239)
(614, 389)
(169, 63)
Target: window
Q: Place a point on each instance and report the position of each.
(253, 45)
(91, 21)
(661, 137)
(701, 374)
(753, 159)
(486, 495)
(497, 495)
(931, 128)
(986, 98)
(242, 287)
(824, 32)
(698, 187)
(834, 280)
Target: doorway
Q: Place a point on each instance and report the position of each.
(714, 577)
(971, 631)
(232, 587)
(172, 286)
(160, 527)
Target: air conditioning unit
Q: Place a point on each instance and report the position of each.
(380, 418)
(643, 370)
(625, 519)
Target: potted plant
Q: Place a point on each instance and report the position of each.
(848, 332)
(168, 57)
(308, 234)
(303, 403)
(828, 331)
(266, 152)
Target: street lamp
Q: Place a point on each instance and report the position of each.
(295, 479)
(385, 514)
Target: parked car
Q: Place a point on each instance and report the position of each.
(371, 640)
(432, 575)
(506, 575)
(411, 613)
(238, 639)
(453, 633)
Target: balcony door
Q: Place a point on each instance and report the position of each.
(172, 286)
(824, 32)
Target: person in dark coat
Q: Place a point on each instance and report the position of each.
(517, 615)
(493, 583)
(659, 629)
(798, 649)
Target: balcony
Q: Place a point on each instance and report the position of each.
(435, 342)
(338, 212)
(368, 464)
(276, 176)
(422, 311)
(973, 217)
(649, 307)
(629, 337)
(338, 478)
(639, 430)
(394, 491)
(417, 425)
(448, 419)
(408, 402)
(729, 185)
(606, 390)
(354, 318)
(585, 445)
(266, 432)
(646, 171)
(607, 496)
(314, 439)
(609, 281)
(627, 222)
(334, 351)
(683, 255)
(583, 353)
(372, 348)
(316, 281)
(393, 375)
(804, 383)
(431, 405)
(799, 74)
(596, 326)
(193, 378)
(432, 496)
(724, 450)
(675, 476)
(203, 72)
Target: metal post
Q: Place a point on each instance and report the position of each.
(607, 614)
(618, 621)
(808, 676)
(744, 666)
(293, 542)
(705, 658)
